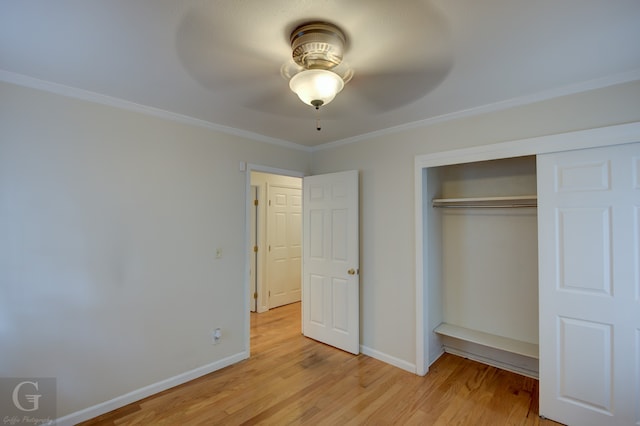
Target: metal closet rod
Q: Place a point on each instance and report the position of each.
(485, 206)
(520, 201)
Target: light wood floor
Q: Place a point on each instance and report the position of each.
(290, 379)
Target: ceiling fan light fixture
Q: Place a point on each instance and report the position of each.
(316, 87)
(317, 73)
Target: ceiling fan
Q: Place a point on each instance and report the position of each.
(318, 73)
(379, 57)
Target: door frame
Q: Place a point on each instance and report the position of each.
(591, 138)
(253, 241)
(248, 204)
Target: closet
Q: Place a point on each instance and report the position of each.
(531, 263)
(484, 261)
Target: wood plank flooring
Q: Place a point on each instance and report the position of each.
(290, 379)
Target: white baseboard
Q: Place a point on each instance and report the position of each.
(136, 395)
(508, 366)
(396, 362)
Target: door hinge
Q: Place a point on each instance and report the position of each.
(269, 248)
(269, 293)
(255, 202)
(255, 295)
(269, 202)
(255, 249)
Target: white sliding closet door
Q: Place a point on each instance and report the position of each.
(589, 233)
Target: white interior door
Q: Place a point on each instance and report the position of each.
(331, 293)
(285, 245)
(589, 251)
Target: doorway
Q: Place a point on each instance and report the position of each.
(330, 285)
(276, 240)
(256, 288)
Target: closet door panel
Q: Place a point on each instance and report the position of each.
(589, 233)
(584, 249)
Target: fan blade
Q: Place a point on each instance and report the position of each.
(217, 55)
(400, 58)
(387, 91)
(276, 100)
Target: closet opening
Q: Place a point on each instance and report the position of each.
(482, 263)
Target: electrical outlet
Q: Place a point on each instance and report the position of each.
(216, 335)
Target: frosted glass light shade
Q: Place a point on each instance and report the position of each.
(312, 86)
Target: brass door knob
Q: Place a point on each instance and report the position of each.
(351, 271)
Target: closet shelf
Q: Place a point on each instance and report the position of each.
(517, 201)
(486, 339)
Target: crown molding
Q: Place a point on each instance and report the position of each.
(72, 92)
(571, 89)
(85, 95)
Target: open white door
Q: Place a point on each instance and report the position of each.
(589, 251)
(330, 284)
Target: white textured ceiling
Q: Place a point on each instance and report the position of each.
(219, 60)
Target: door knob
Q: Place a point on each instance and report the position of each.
(351, 271)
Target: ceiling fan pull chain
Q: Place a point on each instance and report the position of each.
(318, 127)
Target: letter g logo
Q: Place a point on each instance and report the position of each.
(33, 399)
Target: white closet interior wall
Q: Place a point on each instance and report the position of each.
(484, 261)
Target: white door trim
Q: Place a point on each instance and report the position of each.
(248, 168)
(591, 138)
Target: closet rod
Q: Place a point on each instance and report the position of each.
(485, 206)
(520, 201)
